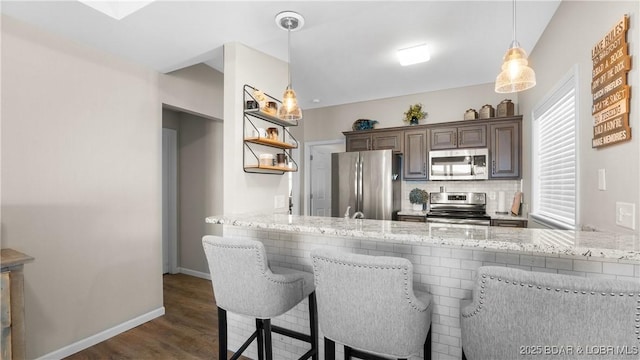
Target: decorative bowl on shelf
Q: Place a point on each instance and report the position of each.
(364, 124)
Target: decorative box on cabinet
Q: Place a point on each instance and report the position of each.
(504, 151)
(12, 304)
(252, 143)
(415, 154)
(472, 136)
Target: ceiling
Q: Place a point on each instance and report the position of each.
(344, 53)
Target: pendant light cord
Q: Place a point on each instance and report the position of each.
(289, 51)
(514, 21)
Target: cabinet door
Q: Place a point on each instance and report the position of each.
(472, 136)
(444, 138)
(359, 142)
(504, 151)
(415, 154)
(387, 140)
(412, 218)
(509, 223)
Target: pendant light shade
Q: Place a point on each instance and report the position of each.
(516, 75)
(289, 111)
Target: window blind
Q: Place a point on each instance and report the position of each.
(555, 158)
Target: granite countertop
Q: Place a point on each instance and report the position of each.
(558, 242)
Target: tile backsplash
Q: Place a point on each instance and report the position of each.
(490, 187)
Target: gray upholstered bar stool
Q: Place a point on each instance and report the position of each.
(518, 314)
(367, 303)
(244, 284)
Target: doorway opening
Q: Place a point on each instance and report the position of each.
(192, 188)
(318, 181)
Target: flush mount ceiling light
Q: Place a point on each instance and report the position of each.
(117, 9)
(516, 75)
(414, 55)
(290, 111)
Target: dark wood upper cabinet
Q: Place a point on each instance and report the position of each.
(415, 154)
(444, 138)
(359, 142)
(505, 150)
(388, 140)
(502, 136)
(377, 141)
(472, 136)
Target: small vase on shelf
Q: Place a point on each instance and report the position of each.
(414, 121)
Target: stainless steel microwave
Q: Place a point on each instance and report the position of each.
(459, 164)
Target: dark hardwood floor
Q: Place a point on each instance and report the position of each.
(188, 330)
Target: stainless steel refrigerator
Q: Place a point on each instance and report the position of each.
(367, 182)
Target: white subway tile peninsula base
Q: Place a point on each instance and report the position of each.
(445, 259)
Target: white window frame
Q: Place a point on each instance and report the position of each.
(569, 82)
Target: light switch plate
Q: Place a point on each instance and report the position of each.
(626, 215)
(602, 179)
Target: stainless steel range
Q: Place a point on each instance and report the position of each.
(458, 208)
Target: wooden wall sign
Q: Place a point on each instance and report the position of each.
(609, 90)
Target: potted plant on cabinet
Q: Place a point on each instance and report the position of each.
(414, 114)
(418, 198)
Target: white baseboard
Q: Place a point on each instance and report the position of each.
(102, 336)
(194, 273)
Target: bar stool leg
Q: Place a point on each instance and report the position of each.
(266, 328)
(427, 346)
(313, 322)
(260, 338)
(222, 333)
(329, 349)
(347, 352)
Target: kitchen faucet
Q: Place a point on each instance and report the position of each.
(356, 215)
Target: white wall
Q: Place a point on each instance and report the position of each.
(200, 183)
(328, 123)
(245, 192)
(197, 89)
(573, 31)
(81, 185)
(81, 173)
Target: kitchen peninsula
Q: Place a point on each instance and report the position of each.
(445, 258)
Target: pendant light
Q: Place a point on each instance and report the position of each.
(289, 111)
(516, 75)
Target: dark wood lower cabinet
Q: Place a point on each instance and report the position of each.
(509, 223)
(412, 218)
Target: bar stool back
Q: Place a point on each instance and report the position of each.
(368, 304)
(243, 283)
(518, 314)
